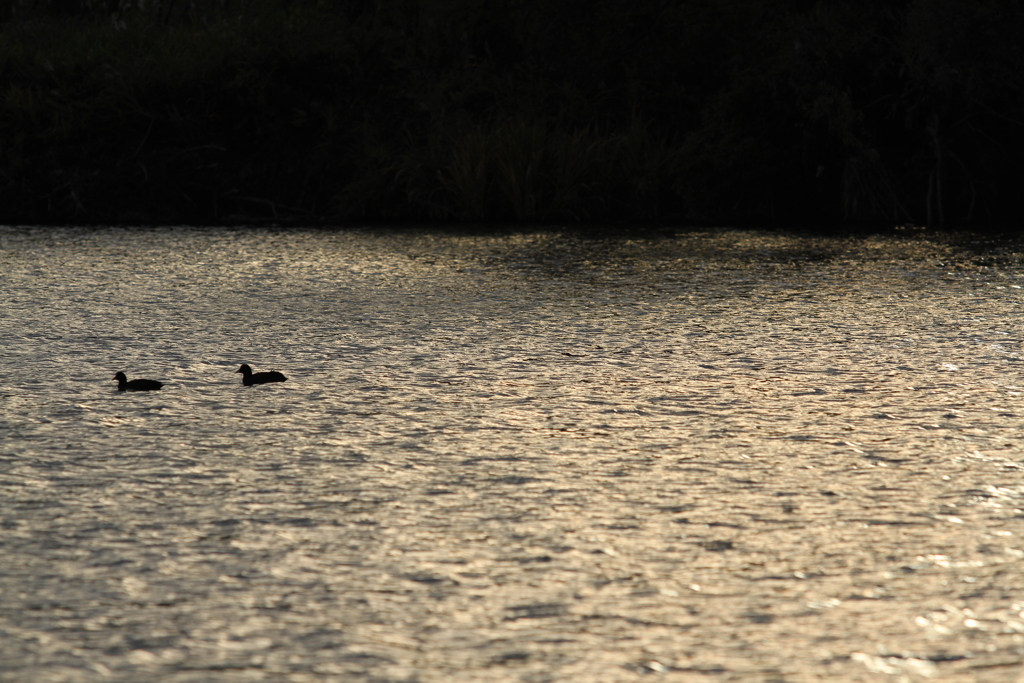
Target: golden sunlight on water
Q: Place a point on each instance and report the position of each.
(720, 456)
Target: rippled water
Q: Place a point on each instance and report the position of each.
(719, 456)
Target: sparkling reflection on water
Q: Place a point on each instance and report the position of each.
(717, 456)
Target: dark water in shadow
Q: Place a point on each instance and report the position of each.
(720, 456)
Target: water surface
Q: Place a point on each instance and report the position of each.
(718, 456)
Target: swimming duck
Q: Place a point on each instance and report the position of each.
(136, 384)
(248, 378)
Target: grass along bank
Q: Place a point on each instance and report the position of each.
(453, 110)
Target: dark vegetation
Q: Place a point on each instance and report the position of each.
(690, 111)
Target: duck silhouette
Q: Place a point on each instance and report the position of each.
(249, 378)
(136, 384)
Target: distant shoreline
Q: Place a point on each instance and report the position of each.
(445, 112)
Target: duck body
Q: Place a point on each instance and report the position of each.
(136, 384)
(249, 377)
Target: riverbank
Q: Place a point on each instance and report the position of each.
(446, 111)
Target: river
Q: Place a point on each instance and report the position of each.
(714, 455)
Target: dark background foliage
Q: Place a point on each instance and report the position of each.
(693, 111)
